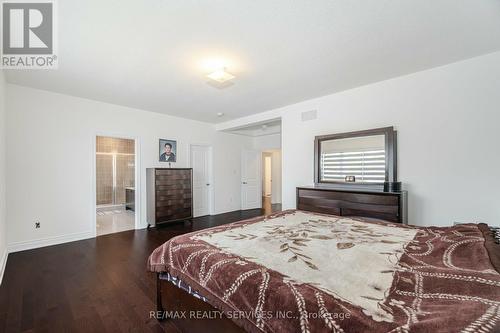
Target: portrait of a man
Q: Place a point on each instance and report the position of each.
(168, 150)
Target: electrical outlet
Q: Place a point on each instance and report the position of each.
(37, 225)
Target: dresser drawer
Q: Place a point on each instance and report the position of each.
(184, 195)
(173, 214)
(351, 197)
(172, 172)
(173, 188)
(380, 205)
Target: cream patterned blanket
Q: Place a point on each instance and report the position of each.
(303, 272)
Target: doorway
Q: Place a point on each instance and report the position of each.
(115, 184)
(271, 180)
(267, 178)
(201, 162)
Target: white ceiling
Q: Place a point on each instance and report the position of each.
(148, 54)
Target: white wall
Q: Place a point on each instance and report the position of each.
(50, 160)
(276, 175)
(266, 142)
(3, 216)
(448, 122)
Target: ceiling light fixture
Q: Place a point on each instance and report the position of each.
(221, 75)
(220, 114)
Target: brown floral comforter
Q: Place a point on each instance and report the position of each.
(303, 272)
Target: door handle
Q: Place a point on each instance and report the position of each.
(208, 184)
(244, 183)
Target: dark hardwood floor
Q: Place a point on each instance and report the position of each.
(93, 285)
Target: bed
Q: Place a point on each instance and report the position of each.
(299, 271)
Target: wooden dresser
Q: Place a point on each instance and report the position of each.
(169, 195)
(389, 206)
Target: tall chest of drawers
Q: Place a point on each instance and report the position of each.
(169, 195)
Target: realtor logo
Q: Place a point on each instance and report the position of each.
(28, 35)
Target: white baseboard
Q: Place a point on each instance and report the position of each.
(33, 244)
(3, 262)
(227, 210)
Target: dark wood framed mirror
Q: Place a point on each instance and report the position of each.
(363, 158)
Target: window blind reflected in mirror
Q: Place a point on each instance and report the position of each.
(358, 159)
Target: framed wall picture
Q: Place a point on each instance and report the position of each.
(168, 150)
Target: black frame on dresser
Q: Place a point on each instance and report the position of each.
(390, 157)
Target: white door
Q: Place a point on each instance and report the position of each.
(251, 179)
(202, 187)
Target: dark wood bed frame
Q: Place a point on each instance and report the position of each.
(182, 302)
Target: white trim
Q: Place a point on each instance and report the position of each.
(54, 240)
(3, 263)
(93, 177)
(138, 186)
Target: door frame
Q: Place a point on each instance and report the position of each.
(211, 192)
(259, 178)
(137, 181)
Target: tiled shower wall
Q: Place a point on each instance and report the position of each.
(114, 158)
(104, 179)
